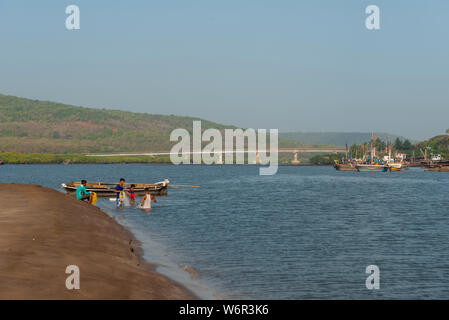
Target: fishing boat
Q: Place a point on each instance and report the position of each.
(395, 163)
(104, 189)
(371, 167)
(397, 166)
(439, 169)
(344, 166)
(372, 163)
(432, 164)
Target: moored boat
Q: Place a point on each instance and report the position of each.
(397, 166)
(432, 164)
(372, 163)
(344, 166)
(103, 189)
(439, 169)
(371, 167)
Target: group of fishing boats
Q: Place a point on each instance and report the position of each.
(388, 164)
(371, 163)
(366, 165)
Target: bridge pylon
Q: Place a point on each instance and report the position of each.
(220, 159)
(295, 159)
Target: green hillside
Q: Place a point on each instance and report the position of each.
(438, 144)
(336, 138)
(33, 126)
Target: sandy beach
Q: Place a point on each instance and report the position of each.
(42, 231)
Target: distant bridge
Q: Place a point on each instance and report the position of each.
(165, 153)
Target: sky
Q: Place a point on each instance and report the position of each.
(297, 65)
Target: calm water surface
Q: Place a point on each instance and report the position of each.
(305, 233)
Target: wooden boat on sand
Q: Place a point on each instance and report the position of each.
(105, 189)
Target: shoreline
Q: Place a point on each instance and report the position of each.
(166, 163)
(42, 231)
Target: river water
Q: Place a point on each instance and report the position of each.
(304, 233)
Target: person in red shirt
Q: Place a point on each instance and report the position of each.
(132, 195)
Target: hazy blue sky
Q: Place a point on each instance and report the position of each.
(292, 65)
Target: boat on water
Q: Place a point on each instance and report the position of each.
(372, 163)
(105, 189)
(397, 166)
(371, 167)
(344, 166)
(395, 163)
(435, 164)
(439, 169)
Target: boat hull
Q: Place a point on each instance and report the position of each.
(344, 167)
(398, 169)
(371, 168)
(103, 191)
(439, 169)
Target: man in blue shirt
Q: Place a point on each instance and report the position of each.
(82, 193)
(118, 189)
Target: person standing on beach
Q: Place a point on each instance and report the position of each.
(82, 193)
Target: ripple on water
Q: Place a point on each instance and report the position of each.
(305, 233)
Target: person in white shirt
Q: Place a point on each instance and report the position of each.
(145, 203)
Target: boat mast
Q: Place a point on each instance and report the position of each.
(346, 151)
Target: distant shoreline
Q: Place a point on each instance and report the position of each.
(44, 158)
(45, 231)
(169, 163)
(68, 159)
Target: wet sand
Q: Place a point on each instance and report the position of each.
(42, 231)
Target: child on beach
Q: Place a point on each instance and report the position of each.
(145, 203)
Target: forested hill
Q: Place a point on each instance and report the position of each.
(438, 144)
(32, 126)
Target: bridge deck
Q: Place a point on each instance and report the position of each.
(299, 150)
